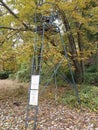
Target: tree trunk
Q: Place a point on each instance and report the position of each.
(80, 49)
(73, 51)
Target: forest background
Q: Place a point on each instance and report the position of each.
(80, 25)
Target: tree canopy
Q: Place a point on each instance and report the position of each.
(80, 22)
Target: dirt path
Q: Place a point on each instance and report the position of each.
(9, 84)
(9, 88)
(6, 84)
(50, 115)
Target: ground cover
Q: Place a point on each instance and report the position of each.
(52, 115)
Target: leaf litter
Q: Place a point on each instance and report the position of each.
(51, 116)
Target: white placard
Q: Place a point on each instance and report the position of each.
(33, 97)
(35, 81)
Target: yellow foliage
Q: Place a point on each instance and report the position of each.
(74, 11)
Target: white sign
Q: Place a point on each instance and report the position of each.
(33, 97)
(35, 81)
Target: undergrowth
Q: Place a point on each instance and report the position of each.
(88, 96)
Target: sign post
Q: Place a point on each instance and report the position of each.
(34, 90)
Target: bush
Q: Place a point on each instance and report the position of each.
(12, 76)
(4, 75)
(88, 96)
(92, 69)
(91, 78)
(23, 75)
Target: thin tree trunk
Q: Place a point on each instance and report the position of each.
(80, 49)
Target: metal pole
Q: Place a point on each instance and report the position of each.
(73, 80)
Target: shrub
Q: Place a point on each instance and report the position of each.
(92, 69)
(88, 96)
(91, 78)
(4, 75)
(23, 75)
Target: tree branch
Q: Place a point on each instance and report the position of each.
(11, 12)
(18, 29)
(14, 29)
(9, 35)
